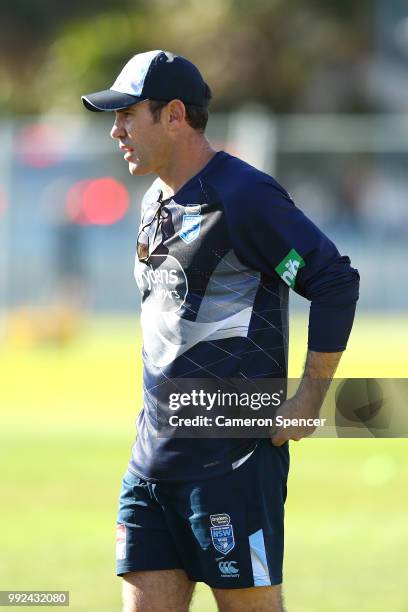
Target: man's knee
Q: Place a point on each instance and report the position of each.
(255, 599)
(155, 591)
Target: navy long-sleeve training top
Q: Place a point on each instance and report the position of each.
(223, 253)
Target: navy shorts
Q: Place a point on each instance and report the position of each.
(226, 531)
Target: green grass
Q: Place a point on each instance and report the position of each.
(66, 430)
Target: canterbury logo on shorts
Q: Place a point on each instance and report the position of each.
(228, 568)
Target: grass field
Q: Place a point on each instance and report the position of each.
(66, 429)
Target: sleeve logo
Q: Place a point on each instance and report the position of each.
(289, 266)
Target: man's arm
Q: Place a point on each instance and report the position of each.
(306, 403)
(271, 235)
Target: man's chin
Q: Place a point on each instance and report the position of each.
(138, 169)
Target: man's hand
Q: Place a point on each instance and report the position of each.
(292, 409)
(308, 400)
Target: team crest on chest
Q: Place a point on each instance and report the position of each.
(191, 224)
(222, 533)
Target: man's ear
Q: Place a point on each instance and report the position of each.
(176, 112)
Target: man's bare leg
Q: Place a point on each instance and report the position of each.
(255, 599)
(156, 591)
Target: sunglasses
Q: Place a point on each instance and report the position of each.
(144, 239)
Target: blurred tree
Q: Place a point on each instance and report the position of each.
(293, 55)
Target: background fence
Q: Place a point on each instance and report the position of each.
(69, 209)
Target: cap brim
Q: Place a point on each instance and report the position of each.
(109, 100)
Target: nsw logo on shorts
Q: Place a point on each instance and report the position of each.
(222, 533)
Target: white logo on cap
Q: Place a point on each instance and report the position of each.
(132, 77)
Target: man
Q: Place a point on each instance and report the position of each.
(219, 245)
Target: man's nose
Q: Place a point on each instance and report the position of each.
(117, 130)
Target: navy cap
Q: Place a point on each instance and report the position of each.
(154, 75)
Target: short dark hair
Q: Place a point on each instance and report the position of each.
(196, 116)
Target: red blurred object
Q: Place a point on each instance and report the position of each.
(74, 202)
(40, 145)
(101, 201)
